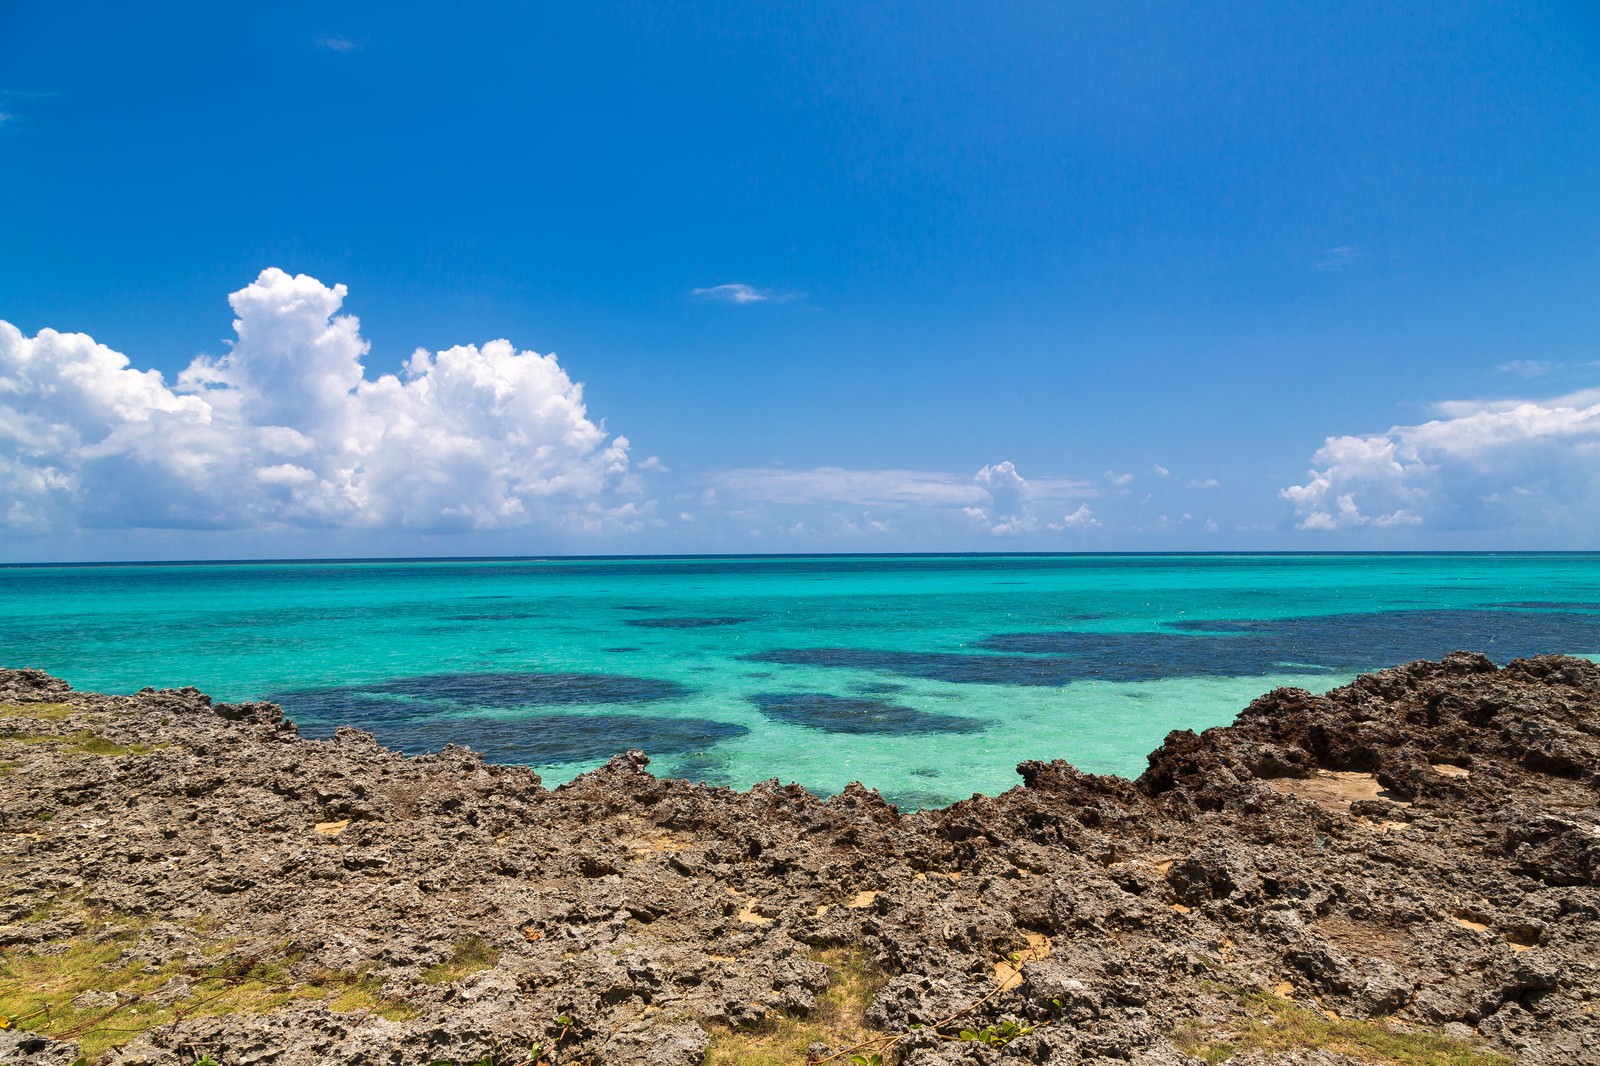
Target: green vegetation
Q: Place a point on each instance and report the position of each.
(43, 712)
(91, 990)
(997, 1035)
(1274, 1024)
(839, 1019)
(468, 957)
(82, 742)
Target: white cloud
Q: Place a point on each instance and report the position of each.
(10, 98)
(998, 499)
(1006, 511)
(1161, 471)
(839, 485)
(1481, 465)
(1341, 256)
(1198, 483)
(334, 42)
(892, 487)
(733, 293)
(1117, 479)
(1082, 518)
(1526, 368)
(287, 430)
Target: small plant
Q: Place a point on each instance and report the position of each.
(997, 1035)
(868, 1059)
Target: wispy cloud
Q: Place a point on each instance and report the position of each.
(10, 98)
(997, 499)
(839, 485)
(1525, 368)
(1201, 483)
(334, 42)
(1340, 256)
(737, 292)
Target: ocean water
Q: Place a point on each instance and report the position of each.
(926, 677)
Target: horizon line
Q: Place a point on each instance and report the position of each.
(669, 556)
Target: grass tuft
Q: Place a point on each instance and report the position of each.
(82, 742)
(95, 990)
(839, 1020)
(43, 712)
(1277, 1025)
(467, 957)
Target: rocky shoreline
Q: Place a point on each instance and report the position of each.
(1403, 870)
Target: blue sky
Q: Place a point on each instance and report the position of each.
(830, 276)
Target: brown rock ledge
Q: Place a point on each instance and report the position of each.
(1413, 858)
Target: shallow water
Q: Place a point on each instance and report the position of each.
(927, 677)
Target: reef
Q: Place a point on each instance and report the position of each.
(1402, 870)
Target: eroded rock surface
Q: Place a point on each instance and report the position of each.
(1422, 845)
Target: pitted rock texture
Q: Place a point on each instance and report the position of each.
(1422, 845)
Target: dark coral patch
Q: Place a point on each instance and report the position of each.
(447, 695)
(846, 714)
(532, 689)
(1309, 644)
(1342, 643)
(954, 667)
(685, 622)
(1370, 641)
(540, 740)
(564, 738)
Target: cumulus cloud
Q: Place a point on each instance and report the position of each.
(1082, 518)
(287, 430)
(1006, 511)
(1202, 483)
(1480, 465)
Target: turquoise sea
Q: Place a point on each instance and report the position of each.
(926, 677)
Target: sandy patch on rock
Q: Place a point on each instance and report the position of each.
(1333, 790)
